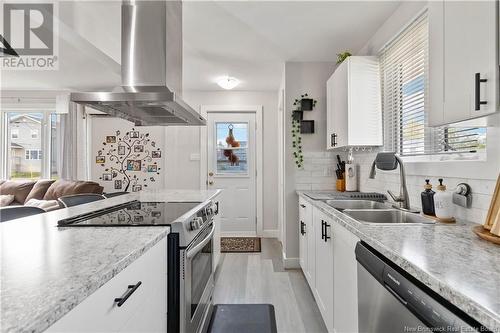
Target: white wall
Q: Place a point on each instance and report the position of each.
(480, 175)
(183, 172)
(300, 78)
(101, 127)
(401, 17)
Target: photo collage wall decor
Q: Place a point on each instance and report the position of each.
(130, 161)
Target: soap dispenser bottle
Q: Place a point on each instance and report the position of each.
(443, 202)
(427, 197)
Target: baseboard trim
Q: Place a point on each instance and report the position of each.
(270, 233)
(238, 234)
(290, 263)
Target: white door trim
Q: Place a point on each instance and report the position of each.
(257, 109)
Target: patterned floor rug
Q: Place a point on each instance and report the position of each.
(240, 244)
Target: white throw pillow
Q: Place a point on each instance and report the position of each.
(6, 199)
(46, 205)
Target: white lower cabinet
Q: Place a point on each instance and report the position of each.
(330, 266)
(324, 266)
(145, 310)
(345, 288)
(306, 239)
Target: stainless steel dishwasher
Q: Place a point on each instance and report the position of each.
(390, 300)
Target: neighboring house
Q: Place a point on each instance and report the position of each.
(25, 144)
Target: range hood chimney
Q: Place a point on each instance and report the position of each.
(151, 56)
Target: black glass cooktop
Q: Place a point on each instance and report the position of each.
(134, 213)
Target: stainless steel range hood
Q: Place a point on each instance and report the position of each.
(151, 57)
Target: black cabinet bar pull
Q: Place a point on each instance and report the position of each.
(322, 229)
(326, 236)
(302, 225)
(477, 92)
(303, 206)
(131, 289)
(333, 139)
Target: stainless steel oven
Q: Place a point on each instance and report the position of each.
(190, 274)
(198, 281)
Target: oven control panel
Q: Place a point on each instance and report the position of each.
(204, 215)
(196, 223)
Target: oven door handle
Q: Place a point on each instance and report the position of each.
(197, 248)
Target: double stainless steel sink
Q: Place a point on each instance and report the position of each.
(373, 212)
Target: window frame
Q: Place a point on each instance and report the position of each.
(28, 152)
(46, 109)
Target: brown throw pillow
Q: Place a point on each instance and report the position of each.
(40, 189)
(62, 187)
(19, 188)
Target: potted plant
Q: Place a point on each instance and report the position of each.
(343, 56)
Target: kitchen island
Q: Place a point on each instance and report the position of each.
(448, 258)
(47, 271)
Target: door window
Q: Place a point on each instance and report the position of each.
(231, 148)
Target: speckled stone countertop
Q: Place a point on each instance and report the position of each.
(448, 258)
(46, 271)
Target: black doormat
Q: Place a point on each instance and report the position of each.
(243, 318)
(240, 244)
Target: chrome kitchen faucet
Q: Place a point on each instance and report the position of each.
(390, 161)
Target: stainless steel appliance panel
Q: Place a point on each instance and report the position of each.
(390, 300)
(379, 310)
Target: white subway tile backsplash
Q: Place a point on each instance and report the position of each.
(481, 201)
(482, 186)
(323, 187)
(482, 190)
(303, 187)
(318, 174)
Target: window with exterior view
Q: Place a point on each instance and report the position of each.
(31, 145)
(232, 148)
(25, 149)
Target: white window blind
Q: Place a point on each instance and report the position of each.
(404, 84)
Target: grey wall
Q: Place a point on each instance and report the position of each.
(300, 78)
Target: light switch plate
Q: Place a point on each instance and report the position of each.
(194, 157)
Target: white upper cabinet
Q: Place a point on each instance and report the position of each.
(354, 107)
(463, 60)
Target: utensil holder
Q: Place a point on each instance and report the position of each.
(340, 185)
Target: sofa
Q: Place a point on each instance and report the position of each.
(43, 192)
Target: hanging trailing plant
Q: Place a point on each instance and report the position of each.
(305, 103)
(297, 144)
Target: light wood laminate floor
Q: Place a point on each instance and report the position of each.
(260, 278)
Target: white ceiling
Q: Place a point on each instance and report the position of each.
(249, 40)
